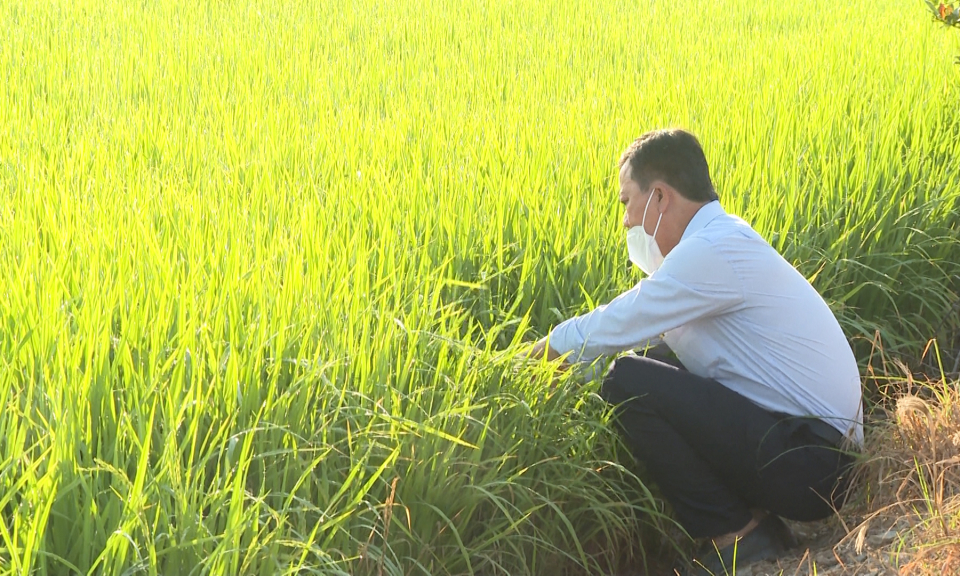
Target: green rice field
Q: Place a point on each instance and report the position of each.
(266, 267)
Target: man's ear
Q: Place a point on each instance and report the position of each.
(664, 195)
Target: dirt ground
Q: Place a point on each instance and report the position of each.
(827, 548)
(856, 543)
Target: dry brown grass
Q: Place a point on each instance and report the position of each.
(911, 477)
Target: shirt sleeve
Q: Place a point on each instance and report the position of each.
(693, 282)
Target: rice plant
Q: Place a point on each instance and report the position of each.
(266, 266)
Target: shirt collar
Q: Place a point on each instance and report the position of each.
(704, 216)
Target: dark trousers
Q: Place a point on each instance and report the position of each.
(716, 455)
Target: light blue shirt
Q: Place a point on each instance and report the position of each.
(732, 309)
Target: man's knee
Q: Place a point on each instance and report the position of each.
(609, 387)
(622, 380)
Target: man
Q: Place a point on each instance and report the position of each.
(754, 422)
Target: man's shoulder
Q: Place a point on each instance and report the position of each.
(722, 233)
(730, 237)
(727, 225)
(699, 257)
(724, 248)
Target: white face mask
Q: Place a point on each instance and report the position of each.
(642, 247)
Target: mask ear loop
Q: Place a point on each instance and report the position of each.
(644, 217)
(657, 227)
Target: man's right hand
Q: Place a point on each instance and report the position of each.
(541, 349)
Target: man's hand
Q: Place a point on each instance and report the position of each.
(541, 349)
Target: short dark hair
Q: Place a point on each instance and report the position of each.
(674, 156)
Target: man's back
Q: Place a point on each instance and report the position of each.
(776, 342)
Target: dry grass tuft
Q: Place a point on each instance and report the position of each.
(913, 476)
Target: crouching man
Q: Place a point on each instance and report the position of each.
(756, 419)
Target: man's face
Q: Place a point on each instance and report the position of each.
(634, 200)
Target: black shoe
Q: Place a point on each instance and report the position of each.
(762, 543)
(783, 533)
